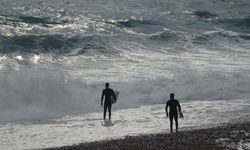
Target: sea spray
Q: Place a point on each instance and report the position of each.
(40, 94)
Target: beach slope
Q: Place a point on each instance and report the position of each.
(227, 136)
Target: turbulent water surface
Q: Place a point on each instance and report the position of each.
(56, 55)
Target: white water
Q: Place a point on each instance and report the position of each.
(145, 49)
(43, 94)
(75, 129)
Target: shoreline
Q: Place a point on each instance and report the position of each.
(231, 135)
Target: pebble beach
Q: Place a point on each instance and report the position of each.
(227, 136)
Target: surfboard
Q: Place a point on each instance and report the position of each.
(116, 95)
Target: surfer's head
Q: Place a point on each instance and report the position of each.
(107, 84)
(172, 95)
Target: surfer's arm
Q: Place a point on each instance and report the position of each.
(179, 107)
(102, 98)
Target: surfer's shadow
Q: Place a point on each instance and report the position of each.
(108, 123)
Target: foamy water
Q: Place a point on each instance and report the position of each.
(75, 129)
(55, 57)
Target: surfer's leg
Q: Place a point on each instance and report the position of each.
(109, 109)
(104, 112)
(176, 122)
(171, 122)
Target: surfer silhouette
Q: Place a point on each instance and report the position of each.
(108, 93)
(174, 107)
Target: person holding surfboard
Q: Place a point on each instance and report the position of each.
(109, 96)
(174, 105)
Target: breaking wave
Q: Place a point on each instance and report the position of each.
(146, 49)
(204, 14)
(32, 20)
(59, 44)
(41, 94)
(132, 23)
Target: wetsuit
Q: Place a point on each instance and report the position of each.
(173, 112)
(107, 103)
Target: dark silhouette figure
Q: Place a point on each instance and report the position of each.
(108, 93)
(175, 107)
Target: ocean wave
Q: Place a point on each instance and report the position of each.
(132, 23)
(239, 22)
(218, 35)
(43, 21)
(167, 35)
(41, 94)
(204, 14)
(59, 44)
(199, 38)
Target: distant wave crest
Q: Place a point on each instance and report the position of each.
(218, 35)
(167, 35)
(43, 21)
(59, 44)
(132, 23)
(204, 14)
(239, 22)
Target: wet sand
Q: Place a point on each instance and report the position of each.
(227, 136)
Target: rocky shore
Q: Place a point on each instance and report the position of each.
(229, 136)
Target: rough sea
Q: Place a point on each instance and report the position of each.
(56, 55)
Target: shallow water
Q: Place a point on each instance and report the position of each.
(75, 129)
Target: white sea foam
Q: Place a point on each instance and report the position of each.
(40, 94)
(74, 129)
